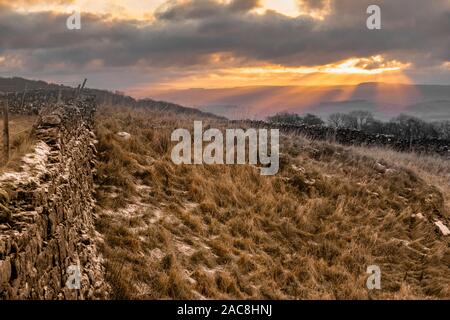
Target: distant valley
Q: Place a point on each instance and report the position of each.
(428, 102)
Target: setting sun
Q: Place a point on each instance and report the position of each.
(286, 7)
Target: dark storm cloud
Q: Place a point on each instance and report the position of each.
(205, 9)
(184, 34)
(244, 5)
(200, 9)
(313, 4)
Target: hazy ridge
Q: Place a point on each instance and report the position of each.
(429, 102)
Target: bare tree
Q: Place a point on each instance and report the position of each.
(341, 120)
(312, 120)
(413, 128)
(442, 129)
(284, 117)
(361, 118)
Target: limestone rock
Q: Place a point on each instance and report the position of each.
(51, 120)
(380, 168)
(442, 228)
(124, 135)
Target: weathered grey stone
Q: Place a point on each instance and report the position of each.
(51, 120)
(380, 168)
(124, 135)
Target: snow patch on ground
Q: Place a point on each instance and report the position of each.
(32, 163)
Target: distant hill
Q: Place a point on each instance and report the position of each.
(103, 96)
(20, 84)
(172, 107)
(429, 102)
(327, 107)
(431, 110)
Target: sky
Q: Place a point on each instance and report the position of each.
(144, 47)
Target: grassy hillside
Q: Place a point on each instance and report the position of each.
(309, 232)
(20, 84)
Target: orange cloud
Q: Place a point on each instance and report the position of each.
(318, 9)
(348, 72)
(117, 9)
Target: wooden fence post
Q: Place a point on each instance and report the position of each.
(59, 101)
(84, 83)
(77, 90)
(6, 130)
(23, 97)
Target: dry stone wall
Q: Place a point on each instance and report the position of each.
(47, 210)
(356, 137)
(32, 101)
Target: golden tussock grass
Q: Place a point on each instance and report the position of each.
(20, 142)
(309, 232)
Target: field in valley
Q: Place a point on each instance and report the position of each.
(309, 232)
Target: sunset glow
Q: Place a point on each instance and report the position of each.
(143, 10)
(368, 66)
(180, 44)
(288, 8)
(349, 72)
(117, 9)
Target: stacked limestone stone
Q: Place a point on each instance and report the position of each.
(46, 224)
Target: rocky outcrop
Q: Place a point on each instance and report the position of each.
(47, 208)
